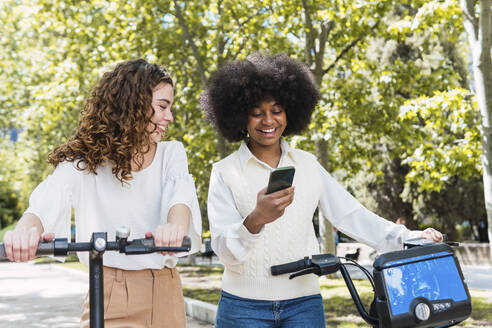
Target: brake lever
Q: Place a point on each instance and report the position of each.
(147, 246)
(314, 270)
(416, 242)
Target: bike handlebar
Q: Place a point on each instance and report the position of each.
(61, 246)
(318, 264)
(291, 267)
(329, 263)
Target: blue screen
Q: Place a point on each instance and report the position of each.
(432, 278)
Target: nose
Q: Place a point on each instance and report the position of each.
(168, 116)
(268, 118)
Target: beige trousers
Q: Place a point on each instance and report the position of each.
(141, 298)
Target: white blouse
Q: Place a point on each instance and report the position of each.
(232, 242)
(101, 203)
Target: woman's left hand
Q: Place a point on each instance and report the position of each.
(168, 235)
(432, 234)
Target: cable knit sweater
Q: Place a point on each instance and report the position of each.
(289, 238)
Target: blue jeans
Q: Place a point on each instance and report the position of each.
(238, 312)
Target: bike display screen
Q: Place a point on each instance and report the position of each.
(433, 276)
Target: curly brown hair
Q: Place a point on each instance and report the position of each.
(113, 126)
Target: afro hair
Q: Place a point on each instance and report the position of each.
(240, 85)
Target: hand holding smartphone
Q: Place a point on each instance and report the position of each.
(280, 178)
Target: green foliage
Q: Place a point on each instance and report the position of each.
(10, 203)
(395, 109)
(442, 137)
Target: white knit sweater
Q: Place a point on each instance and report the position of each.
(289, 238)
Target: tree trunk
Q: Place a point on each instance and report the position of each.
(325, 226)
(479, 29)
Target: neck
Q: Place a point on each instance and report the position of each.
(269, 154)
(144, 159)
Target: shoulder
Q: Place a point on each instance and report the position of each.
(171, 146)
(302, 155)
(67, 174)
(171, 150)
(231, 159)
(70, 168)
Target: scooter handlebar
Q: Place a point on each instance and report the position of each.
(44, 248)
(48, 248)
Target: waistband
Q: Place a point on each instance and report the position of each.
(120, 273)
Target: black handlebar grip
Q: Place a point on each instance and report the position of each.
(186, 242)
(46, 248)
(289, 267)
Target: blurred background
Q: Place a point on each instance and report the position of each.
(399, 123)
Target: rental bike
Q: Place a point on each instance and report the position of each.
(420, 286)
(96, 247)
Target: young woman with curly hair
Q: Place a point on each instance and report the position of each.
(115, 171)
(257, 101)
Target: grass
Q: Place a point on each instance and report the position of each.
(72, 258)
(75, 265)
(200, 270)
(211, 296)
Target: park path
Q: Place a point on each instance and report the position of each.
(45, 295)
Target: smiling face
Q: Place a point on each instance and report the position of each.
(162, 100)
(266, 123)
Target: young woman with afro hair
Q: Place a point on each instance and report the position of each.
(258, 101)
(114, 171)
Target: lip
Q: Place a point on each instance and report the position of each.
(268, 134)
(161, 129)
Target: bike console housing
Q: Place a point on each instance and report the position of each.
(421, 287)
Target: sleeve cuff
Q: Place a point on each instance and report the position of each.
(194, 232)
(247, 236)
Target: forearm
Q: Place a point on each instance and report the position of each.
(180, 214)
(28, 221)
(374, 231)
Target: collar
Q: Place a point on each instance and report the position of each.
(245, 155)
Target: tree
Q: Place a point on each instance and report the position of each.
(477, 19)
(54, 54)
(416, 55)
(10, 204)
(328, 34)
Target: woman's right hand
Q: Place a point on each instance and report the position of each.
(268, 208)
(21, 243)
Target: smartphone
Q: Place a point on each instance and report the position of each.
(280, 178)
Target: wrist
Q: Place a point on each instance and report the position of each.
(251, 223)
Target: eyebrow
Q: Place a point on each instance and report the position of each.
(164, 99)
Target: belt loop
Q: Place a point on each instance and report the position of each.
(172, 272)
(119, 275)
